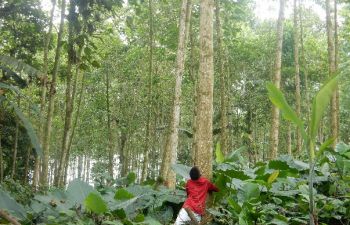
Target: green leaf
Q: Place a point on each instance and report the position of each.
(220, 158)
(10, 205)
(181, 170)
(273, 177)
(122, 194)
(139, 218)
(324, 146)
(77, 191)
(320, 104)
(131, 178)
(278, 99)
(30, 130)
(95, 203)
(248, 192)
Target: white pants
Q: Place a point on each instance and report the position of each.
(184, 218)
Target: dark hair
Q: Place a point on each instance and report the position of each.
(195, 173)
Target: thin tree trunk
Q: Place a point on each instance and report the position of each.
(69, 97)
(204, 120)
(297, 76)
(336, 61)
(48, 125)
(36, 171)
(221, 68)
(150, 93)
(80, 166)
(289, 139)
(303, 63)
(170, 153)
(1, 157)
(274, 132)
(109, 130)
(15, 148)
(87, 170)
(332, 71)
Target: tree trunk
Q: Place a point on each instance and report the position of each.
(36, 171)
(303, 63)
(204, 121)
(69, 97)
(331, 72)
(87, 170)
(1, 159)
(80, 166)
(289, 139)
(221, 68)
(15, 148)
(48, 125)
(170, 152)
(109, 130)
(150, 93)
(336, 61)
(277, 80)
(297, 76)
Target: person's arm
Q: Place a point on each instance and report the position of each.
(212, 187)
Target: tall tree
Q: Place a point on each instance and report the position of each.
(109, 130)
(221, 67)
(204, 119)
(150, 93)
(332, 71)
(170, 152)
(274, 132)
(297, 74)
(50, 111)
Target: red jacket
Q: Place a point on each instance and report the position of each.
(197, 194)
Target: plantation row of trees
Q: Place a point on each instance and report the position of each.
(95, 86)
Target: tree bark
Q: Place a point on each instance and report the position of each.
(170, 152)
(274, 132)
(336, 61)
(289, 139)
(204, 121)
(48, 125)
(221, 68)
(297, 77)
(332, 71)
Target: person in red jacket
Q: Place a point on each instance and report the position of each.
(197, 188)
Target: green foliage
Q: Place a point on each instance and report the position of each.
(95, 203)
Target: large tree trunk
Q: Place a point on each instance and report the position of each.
(150, 93)
(297, 75)
(221, 67)
(332, 71)
(170, 152)
(48, 125)
(277, 80)
(204, 121)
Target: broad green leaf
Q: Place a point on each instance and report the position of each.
(324, 146)
(278, 99)
(95, 203)
(273, 177)
(220, 158)
(139, 218)
(30, 130)
(122, 194)
(320, 103)
(234, 205)
(181, 170)
(20, 66)
(248, 192)
(77, 191)
(10, 205)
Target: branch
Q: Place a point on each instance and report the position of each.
(8, 217)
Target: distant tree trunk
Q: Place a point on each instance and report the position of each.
(332, 71)
(26, 164)
(123, 154)
(80, 166)
(48, 125)
(109, 130)
(297, 76)
(277, 80)
(303, 63)
(336, 61)
(150, 98)
(221, 68)
(1, 157)
(289, 139)
(204, 121)
(15, 148)
(170, 152)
